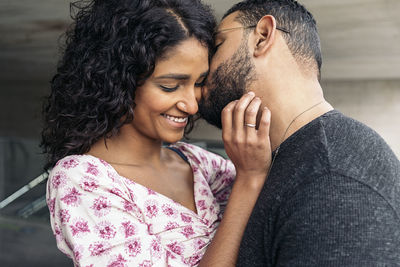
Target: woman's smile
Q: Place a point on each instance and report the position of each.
(176, 121)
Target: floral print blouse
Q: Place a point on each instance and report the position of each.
(100, 218)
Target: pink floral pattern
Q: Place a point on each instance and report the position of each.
(105, 230)
(100, 218)
(99, 249)
(69, 163)
(169, 210)
(133, 247)
(64, 216)
(151, 208)
(101, 206)
(129, 229)
(188, 231)
(176, 248)
(79, 227)
(117, 261)
(72, 197)
(59, 180)
(89, 184)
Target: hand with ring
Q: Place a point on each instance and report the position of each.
(250, 125)
(246, 144)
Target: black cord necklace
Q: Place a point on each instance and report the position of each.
(283, 137)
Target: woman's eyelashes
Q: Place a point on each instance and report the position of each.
(169, 88)
(172, 88)
(200, 84)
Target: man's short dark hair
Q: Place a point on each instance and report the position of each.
(303, 39)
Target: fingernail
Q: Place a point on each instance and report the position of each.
(251, 93)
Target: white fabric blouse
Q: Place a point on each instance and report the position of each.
(100, 218)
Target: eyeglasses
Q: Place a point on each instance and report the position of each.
(248, 27)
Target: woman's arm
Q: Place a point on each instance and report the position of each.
(250, 151)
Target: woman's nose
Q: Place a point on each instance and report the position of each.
(189, 100)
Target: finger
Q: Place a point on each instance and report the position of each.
(250, 119)
(265, 122)
(238, 114)
(226, 119)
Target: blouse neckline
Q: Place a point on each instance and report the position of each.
(195, 181)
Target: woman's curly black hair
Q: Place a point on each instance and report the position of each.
(111, 48)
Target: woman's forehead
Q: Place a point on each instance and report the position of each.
(189, 56)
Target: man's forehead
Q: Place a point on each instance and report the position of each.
(229, 22)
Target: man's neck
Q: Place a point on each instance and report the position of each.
(289, 119)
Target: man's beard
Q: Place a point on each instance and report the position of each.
(228, 83)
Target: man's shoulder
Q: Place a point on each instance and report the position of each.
(343, 130)
(335, 141)
(355, 150)
(336, 145)
(344, 143)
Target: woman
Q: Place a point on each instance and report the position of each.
(129, 80)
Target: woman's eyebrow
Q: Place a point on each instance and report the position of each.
(177, 76)
(173, 76)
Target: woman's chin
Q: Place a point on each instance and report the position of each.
(172, 140)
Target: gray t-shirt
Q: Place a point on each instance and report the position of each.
(332, 199)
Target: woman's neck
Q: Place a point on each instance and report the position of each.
(129, 147)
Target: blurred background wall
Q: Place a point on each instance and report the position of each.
(360, 76)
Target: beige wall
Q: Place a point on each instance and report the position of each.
(375, 103)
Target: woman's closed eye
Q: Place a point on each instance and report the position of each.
(169, 88)
(200, 84)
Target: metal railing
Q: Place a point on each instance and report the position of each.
(23, 190)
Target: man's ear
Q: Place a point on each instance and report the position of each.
(265, 35)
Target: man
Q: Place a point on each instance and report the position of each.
(332, 197)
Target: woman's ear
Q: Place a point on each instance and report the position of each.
(265, 35)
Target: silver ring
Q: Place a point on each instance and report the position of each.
(250, 125)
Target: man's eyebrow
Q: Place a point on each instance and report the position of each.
(175, 76)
